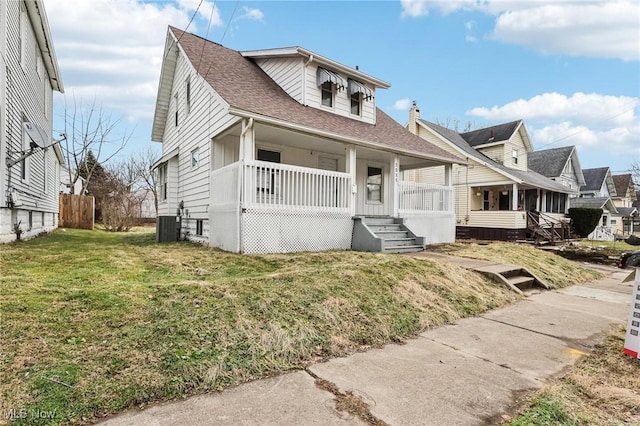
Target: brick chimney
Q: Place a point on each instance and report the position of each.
(414, 116)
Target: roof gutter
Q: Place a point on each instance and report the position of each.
(341, 138)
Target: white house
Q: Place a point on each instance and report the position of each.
(65, 182)
(284, 150)
(596, 193)
(29, 175)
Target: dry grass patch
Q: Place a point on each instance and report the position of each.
(555, 270)
(601, 389)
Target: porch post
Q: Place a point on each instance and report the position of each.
(448, 181)
(394, 196)
(247, 140)
(350, 157)
(448, 174)
(514, 197)
(538, 199)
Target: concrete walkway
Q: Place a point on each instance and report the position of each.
(469, 373)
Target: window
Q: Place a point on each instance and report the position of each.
(514, 156)
(485, 200)
(327, 94)
(30, 220)
(266, 177)
(374, 184)
(614, 221)
(163, 180)
(188, 96)
(195, 158)
(175, 98)
(355, 103)
(199, 223)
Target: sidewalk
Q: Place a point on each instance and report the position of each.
(468, 373)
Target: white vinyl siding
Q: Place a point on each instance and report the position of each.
(25, 91)
(287, 72)
(342, 100)
(207, 116)
(517, 143)
(497, 154)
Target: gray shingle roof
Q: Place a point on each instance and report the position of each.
(550, 162)
(594, 178)
(529, 177)
(245, 86)
(622, 183)
(592, 203)
(500, 132)
(626, 211)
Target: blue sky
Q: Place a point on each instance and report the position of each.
(571, 70)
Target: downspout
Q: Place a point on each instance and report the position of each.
(304, 80)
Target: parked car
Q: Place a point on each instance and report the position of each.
(629, 259)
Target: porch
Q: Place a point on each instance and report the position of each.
(266, 207)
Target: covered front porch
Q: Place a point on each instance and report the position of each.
(280, 190)
(512, 211)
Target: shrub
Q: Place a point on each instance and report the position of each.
(584, 220)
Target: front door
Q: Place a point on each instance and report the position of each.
(373, 187)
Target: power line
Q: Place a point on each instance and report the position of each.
(222, 38)
(193, 16)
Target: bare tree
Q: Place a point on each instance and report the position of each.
(90, 129)
(148, 178)
(454, 124)
(635, 174)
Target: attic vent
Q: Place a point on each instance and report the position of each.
(357, 87)
(324, 75)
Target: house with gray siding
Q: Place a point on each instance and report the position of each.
(29, 175)
(284, 150)
(558, 164)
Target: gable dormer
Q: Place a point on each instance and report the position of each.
(320, 82)
(507, 144)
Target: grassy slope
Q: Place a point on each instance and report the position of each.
(555, 270)
(93, 323)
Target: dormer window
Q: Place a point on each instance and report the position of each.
(329, 82)
(357, 87)
(327, 94)
(356, 102)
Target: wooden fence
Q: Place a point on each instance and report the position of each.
(76, 211)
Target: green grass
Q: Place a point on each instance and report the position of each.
(546, 410)
(93, 323)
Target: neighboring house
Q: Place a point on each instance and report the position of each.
(284, 150)
(497, 196)
(560, 165)
(596, 193)
(65, 182)
(627, 220)
(29, 175)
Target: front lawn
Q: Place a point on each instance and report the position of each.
(93, 323)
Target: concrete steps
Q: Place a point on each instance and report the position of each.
(514, 277)
(386, 234)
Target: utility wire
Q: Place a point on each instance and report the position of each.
(223, 34)
(193, 16)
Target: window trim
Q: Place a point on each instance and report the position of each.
(195, 158)
(323, 90)
(163, 181)
(188, 95)
(356, 97)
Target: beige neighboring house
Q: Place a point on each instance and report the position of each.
(284, 150)
(29, 159)
(497, 196)
(627, 220)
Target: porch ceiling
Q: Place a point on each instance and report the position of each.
(280, 136)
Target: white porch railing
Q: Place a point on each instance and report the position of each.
(423, 197)
(225, 185)
(282, 186)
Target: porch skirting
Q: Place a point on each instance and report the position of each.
(292, 230)
(435, 227)
(491, 234)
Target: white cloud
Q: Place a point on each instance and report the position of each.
(414, 8)
(587, 120)
(255, 14)
(594, 29)
(402, 104)
(597, 28)
(121, 74)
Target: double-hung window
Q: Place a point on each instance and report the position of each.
(356, 103)
(327, 94)
(266, 177)
(163, 180)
